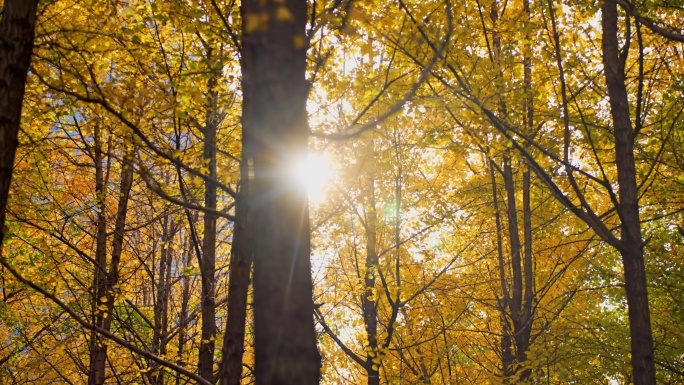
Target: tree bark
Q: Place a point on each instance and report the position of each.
(240, 267)
(208, 267)
(631, 245)
(17, 31)
(275, 128)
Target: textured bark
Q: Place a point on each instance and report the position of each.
(631, 244)
(230, 371)
(276, 130)
(17, 30)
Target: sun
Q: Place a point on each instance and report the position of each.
(315, 171)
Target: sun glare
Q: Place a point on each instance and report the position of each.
(316, 172)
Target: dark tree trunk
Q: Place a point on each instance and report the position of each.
(161, 304)
(369, 304)
(514, 242)
(105, 279)
(526, 315)
(504, 301)
(98, 349)
(230, 371)
(275, 131)
(17, 30)
(208, 267)
(521, 298)
(631, 244)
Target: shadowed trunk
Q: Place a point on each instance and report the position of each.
(503, 302)
(631, 244)
(208, 267)
(230, 371)
(275, 133)
(17, 30)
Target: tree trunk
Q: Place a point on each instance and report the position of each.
(208, 268)
(513, 240)
(183, 315)
(526, 316)
(631, 243)
(528, 271)
(105, 279)
(161, 305)
(97, 347)
(17, 30)
(504, 301)
(275, 133)
(230, 371)
(369, 304)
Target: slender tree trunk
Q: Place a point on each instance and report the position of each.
(369, 302)
(513, 240)
(208, 333)
(528, 271)
(631, 242)
(106, 280)
(183, 316)
(526, 316)
(523, 295)
(276, 130)
(507, 358)
(96, 372)
(230, 371)
(161, 305)
(17, 30)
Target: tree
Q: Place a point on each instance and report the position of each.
(17, 29)
(625, 201)
(275, 134)
(474, 231)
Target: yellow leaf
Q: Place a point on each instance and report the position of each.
(299, 41)
(256, 21)
(284, 14)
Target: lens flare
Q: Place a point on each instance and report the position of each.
(315, 172)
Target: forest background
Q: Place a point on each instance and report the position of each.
(495, 192)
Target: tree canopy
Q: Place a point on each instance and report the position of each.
(341, 191)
